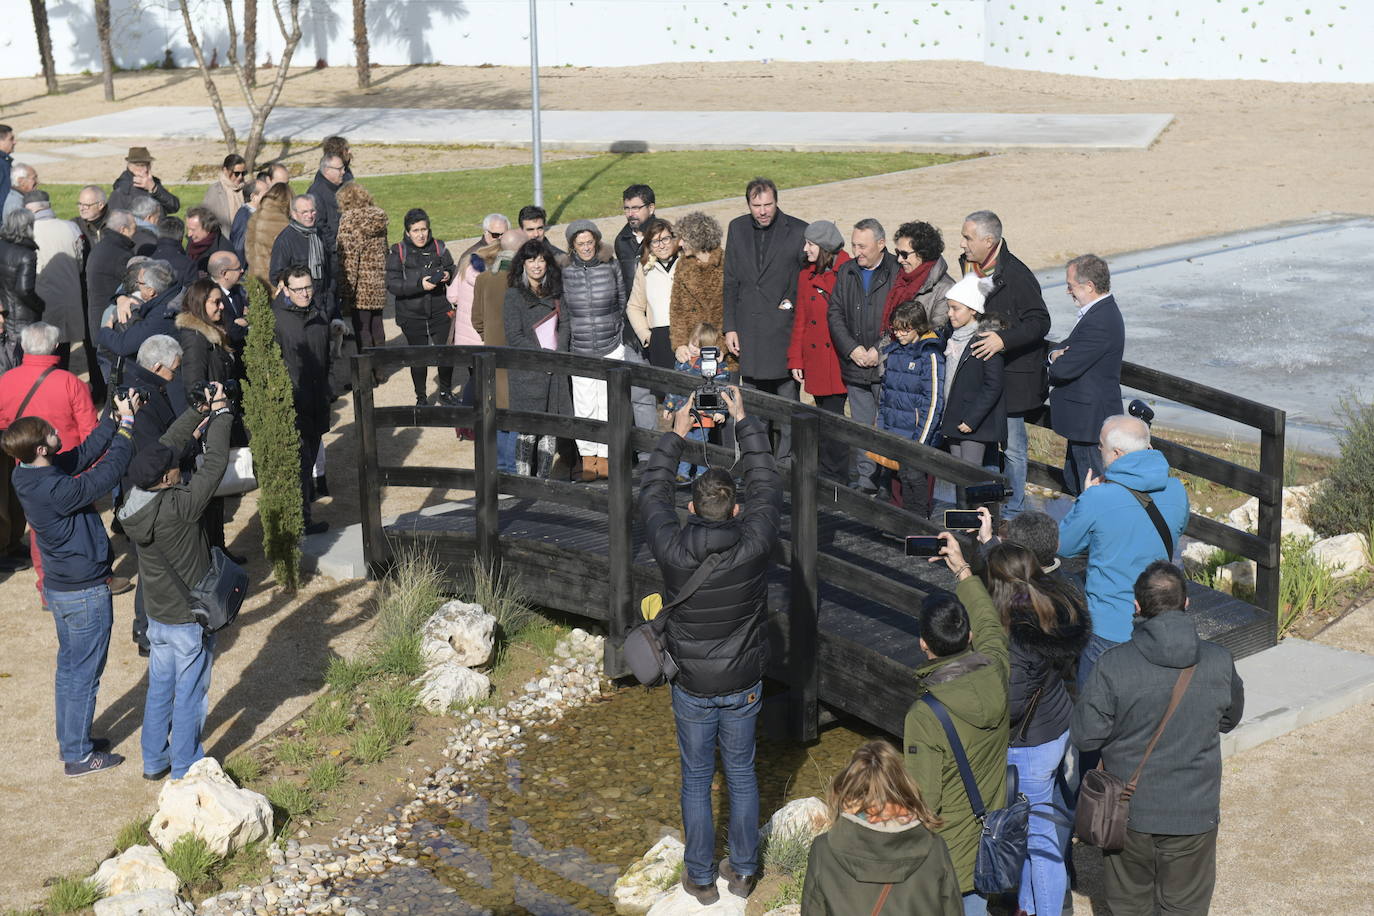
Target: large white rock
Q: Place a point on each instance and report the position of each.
(1296, 528)
(1196, 555)
(650, 879)
(1246, 515)
(1238, 574)
(155, 902)
(680, 903)
(1297, 499)
(807, 817)
(792, 909)
(458, 632)
(207, 803)
(448, 683)
(138, 868)
(1345, 554)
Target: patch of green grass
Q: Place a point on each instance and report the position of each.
(248, 865)
(134, 833)
(1304, 583)
(786, 852)
(325, 777)
(400, 656)
(343, 675)
(500, 596)
(290, 799)
(296, 752)
(588, 187)
(329, 716)
(1207, 574)
(190, 859)
(73, 893)
(789, 893)
(371, 745)
(541, 635)
(243, 768)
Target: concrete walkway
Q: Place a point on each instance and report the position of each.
(640, 131)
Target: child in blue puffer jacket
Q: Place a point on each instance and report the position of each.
(913, 395)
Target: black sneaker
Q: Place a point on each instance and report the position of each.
(740, 885)
(95, 760)
(705, 894)
(421, 401)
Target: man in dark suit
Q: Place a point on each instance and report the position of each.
(1086, 370)
(226, 270)
(763, 254)
(1016, 299)
(639, 202)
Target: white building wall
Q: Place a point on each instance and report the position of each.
(1289, 40)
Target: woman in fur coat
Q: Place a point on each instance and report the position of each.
(362, 263)
(267, 222)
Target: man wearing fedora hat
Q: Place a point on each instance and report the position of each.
(138, 181)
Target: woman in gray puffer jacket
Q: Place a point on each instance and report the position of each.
(594, 311)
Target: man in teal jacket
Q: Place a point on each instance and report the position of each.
(1109, 523)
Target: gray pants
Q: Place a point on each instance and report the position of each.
(863, 408)
(1174, 873)
(641, 399)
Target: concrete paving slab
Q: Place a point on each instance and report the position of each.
(641, 131)
(1294, 684)
(90, 150)
(32, 157)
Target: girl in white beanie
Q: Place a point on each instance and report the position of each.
(975, 418)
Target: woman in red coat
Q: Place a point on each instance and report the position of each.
(811, 355)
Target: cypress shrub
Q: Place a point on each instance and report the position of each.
(269, 410)
(1345, 503)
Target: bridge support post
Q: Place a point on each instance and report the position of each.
(1270, 525)
(803, 636)
(376, 557)
(486, 519)
(620, 516)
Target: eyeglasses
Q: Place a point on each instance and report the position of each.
(662, 240)
(629, 207)
(903, 255)
(300, 289)
(495, 235)
(81, 206)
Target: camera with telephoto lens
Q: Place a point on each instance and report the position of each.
(1141, 411)
(200, 396)
(985, 494)
(708, 392)
(128, 392)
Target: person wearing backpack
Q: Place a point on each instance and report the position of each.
(418, 271)
(967, 672)
(163, 517)
(1169, 856)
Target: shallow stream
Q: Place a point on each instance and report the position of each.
(550, 833)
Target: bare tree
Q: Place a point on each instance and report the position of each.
(250, 41)
(290, 26)
(360, 43)
(102, 31)
(40, 28)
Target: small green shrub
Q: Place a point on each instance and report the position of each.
(134, 833)
(329, 716)
(790, 892)
(70, 894)
(243, 768)
(786, 853)
(190, 859)
(371, 745)
(290, 799)
(1207, 574)
(412, 592)
(325, 777)
(344, 675)
(249, 864)
(399, 656)
(1346, 502)
(1304, 583)
(499, 595)
(296, 752)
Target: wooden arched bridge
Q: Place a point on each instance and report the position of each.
(843, 597)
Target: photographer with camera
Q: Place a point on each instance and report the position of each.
(162, 516)
(418, 271)
(76, 560)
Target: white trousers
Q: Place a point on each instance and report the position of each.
(589, 403)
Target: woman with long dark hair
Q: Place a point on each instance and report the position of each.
(418, 271)
(531, 316)
(1048, 624)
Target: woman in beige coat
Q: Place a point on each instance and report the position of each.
(225, 195)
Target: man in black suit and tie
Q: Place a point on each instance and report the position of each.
(1086, 369)
(763, 255)
(224, 268)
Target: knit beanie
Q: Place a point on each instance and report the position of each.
(970, 292)
(824, 233)
(579, 226)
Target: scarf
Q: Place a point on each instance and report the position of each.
(232, 194)
(987, 267)
(905, 286)
(196, 250)
(315, 257)
(954, 350)
(668, 264)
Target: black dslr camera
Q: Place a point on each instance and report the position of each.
(200, 396)
(126, 392)
(985, 494)
(708, 392)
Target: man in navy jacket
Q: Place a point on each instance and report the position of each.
(1085, 370)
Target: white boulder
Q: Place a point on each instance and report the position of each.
(138, 868)
(153, 902)
(1296, 528)
(1297, 499)
(805, 817)
(448, 683)
(458, 632)
(1239, 574)
(1196, 555)
(678, 902)
(207, 803)
(792, 909)
(650, 879)
(1345, 554)
(1246, 515)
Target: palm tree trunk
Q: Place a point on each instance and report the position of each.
(102, 31)
(360, 43)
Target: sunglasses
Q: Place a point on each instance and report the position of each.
(903, 255)
(239, 173)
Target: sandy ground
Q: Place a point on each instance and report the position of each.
(1238, 155)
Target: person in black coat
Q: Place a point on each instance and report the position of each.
(170, 231)
(105, 267)
(323, 189)
(138, 180)
(763, 257)
(717, 635)
(418, 271)
(19, 271)
(153, 311)
(855, 316)
(300, 244)
(639, 202)
(974, 423)
(303, 326)
(1085, 370)
(1016, 299)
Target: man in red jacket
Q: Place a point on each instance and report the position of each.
(38, 388)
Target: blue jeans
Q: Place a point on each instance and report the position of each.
(686, 469)
(1043, 877)
(975, 904)
(178, 695)
(1087, 660)
(702, 722)
(505, 450)
(1015, 466)
(83, 619)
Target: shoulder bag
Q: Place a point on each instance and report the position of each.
(1104, 802)
(1004, 841)
(38, 383)
(644, 648)
(217, 597)
(1156, 516)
